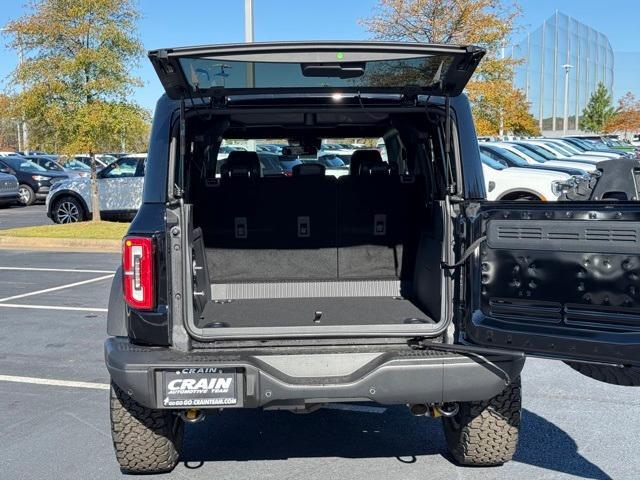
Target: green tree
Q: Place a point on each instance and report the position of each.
(496, 104)
(76, 73)
(599, 110)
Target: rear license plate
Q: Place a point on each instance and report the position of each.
(199, 387)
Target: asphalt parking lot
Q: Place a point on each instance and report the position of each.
(19, 216)
(55, 418)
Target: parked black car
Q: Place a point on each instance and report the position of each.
(398, 283)
(49, 162)
(35, 181)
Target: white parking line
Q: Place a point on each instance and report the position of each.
(53, 307)
(53, 382)
(47, 290)
(69, 270)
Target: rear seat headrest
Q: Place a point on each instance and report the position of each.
(368, 162)
(241, 164)
(303, 169)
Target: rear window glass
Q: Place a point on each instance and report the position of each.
(490, 162)
(334, 154)
(50, 165)
(204, 73)
(23, 165)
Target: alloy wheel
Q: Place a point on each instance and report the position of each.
(24, 196)
(67, 212)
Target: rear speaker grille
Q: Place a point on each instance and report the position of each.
(519, 233)
(611, 234)
(601, 236)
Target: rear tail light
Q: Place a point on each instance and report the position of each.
(137, 268)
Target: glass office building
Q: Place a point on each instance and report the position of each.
(562, 43)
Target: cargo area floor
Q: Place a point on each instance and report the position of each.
(292, 312)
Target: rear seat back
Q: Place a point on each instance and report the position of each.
(309, 227)
(375, 205)
(290, 228)
(306, 216)
(234, 215)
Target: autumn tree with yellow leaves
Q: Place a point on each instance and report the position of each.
(76, 76)
(497, 105)
(626, 118)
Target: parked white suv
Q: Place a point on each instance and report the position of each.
(513, 183)
(119, 190)
(563, 154)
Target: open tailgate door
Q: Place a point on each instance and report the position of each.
(218, 70)
(558, 279)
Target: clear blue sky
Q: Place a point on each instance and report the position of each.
(168, 23)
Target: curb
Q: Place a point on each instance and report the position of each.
(60, 244)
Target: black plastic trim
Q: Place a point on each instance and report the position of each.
(393, 376)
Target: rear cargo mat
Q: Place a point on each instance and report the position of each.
(292, 312)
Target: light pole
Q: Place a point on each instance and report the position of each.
(248, 38)
(19, 131)
(248, 21)
(565, 122)
(501, 117)
(23, 131)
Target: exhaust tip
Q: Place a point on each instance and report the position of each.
(418, 409)
(192, 415)
(447, 410)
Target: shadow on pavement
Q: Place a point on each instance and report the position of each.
(544, 445)
(263, 435)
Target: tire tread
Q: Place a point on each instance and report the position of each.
(145, 440)
(485, 433)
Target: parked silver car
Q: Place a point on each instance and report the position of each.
(9, 192)
(119, 191)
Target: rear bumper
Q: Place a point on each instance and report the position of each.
(298, 379)
(42, 192)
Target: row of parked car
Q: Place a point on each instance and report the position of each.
(36, 172)
(534, 169)
(539, 168)
(523, 169)
(277, 159)
(66, 186)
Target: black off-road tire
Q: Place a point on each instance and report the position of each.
(625, 376)
(145, 440)
(485, 433)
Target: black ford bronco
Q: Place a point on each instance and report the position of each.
(380, 276)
